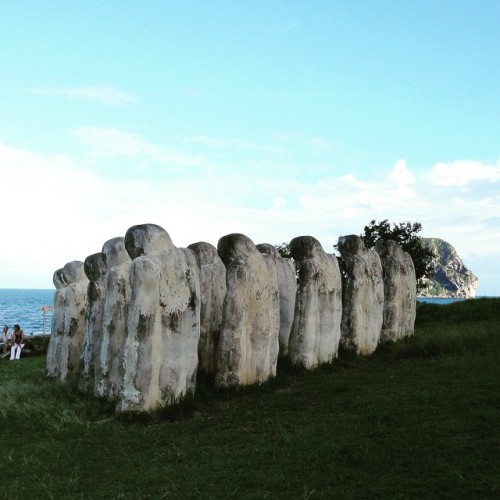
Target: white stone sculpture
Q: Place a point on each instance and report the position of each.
(400, 291)
(213, 292)
(163, 327)
(315, 334)
(57, 325)
(248, 345)
(111, 344)
(63, 357)
(287, 290)
(94, 267)
(363, 296)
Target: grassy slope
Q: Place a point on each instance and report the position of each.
(419, 419)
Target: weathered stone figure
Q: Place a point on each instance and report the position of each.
(57, 326)
(363, 296)
(248, 345)
(213, 291)
(111, 344)
(400, 291)
(315, 333)
(68, 326)
(287, 289)
(94, 267)
(163, 326)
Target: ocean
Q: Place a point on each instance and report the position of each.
(438, 300)
(24, 306)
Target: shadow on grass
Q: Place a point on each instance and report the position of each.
(208, 397)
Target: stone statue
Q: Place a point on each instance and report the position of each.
(287, 290)
(315, 333)
(213, 292)
(68, 322)
(94, 267)
(57, 326)
(363, 296)
(163, 325)
(111, 345)
(400, 291)
(248, 345)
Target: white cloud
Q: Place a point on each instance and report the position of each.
(108, 143)
(278, 203)
(401, 175)
(463, 172)
(61, 210)
(106, 95)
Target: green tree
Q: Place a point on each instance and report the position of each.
(284, 250)
(406, 234)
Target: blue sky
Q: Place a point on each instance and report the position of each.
(270, 118)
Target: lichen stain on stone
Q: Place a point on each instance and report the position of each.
(122, 288)
(240, 272)
(93, 293)
(173, 320)
(73, 327)
(142, 326)
(192, 301)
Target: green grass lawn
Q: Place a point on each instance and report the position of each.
(418, 419)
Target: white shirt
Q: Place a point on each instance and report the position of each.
(6, 336)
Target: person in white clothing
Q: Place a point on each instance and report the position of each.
(17, 343)
(6, 339)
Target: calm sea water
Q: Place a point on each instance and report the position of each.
(24, 306)
(438, 300)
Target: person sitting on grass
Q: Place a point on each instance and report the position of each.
(17, 342)
(6, 339)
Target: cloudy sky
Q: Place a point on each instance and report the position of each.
(270, 118)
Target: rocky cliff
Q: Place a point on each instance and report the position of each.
(451, 277)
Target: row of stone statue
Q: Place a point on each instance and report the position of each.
(136, 321)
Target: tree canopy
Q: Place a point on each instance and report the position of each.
(284, 250)
(406, 234)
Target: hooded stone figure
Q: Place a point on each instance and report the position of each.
(111, 344)
(363, 296)
(68, 322)
(287, 290)
(163, 321)
(57, 326)
(315, 334)
(400, 291)
(95, 268)
(248, 344)
(213, 291)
